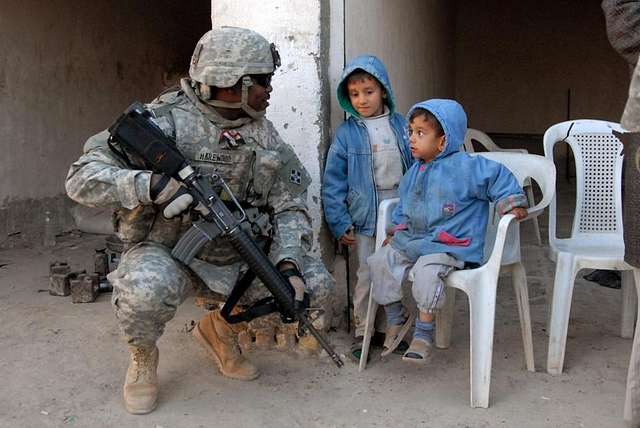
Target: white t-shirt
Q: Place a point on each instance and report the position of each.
(387, 164)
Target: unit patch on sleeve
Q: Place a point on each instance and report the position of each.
(296, 176)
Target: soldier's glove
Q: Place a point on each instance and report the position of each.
(166, 191)
(295, 278)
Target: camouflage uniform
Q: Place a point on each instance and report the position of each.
(262, 171)
(623, 29)
(631, 116)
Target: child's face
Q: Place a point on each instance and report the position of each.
(366, 96)
(424, 142)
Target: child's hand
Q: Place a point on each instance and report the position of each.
(520, 213)
(387, 240)
(349, 238)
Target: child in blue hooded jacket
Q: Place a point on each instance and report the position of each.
(440, 222)
(366, 160)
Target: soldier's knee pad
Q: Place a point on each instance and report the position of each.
(147, 273)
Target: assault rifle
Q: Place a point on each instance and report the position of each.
(137, 133)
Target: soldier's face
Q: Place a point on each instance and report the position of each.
(259, 92)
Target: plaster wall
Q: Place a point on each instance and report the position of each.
(298, 99)
(67, 69)
(415, 40)
(517, 64)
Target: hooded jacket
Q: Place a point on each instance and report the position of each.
(444, 203)
(349, 193)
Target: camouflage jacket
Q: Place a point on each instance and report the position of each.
(623, 27)
(262, 170)
(631, 116)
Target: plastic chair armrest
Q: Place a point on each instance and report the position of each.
(523, 151)
(538, 209)
(498, 245)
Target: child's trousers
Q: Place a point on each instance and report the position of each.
(389, 266)
(365, 247)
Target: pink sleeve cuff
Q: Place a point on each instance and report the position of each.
(398, 227)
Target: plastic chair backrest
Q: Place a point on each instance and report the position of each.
(480, 137)
(523, 167)
(598, 159)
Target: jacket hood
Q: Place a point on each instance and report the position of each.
(372, 65)
(453, 119)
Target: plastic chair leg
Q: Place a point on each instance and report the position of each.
(560, 309)
(632, 394)
(629, 305)
(519, 278)
(534, 220)
(372, 308)
(482, 308)
(444, 319)
(548, 293)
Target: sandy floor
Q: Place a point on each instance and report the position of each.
(63, 364)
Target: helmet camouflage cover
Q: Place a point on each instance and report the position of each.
(225, 54)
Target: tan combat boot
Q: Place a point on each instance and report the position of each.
(141, 384)
(220, 340)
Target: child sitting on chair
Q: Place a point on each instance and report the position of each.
(440, 222)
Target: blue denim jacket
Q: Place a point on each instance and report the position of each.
(444, 203)
(349, 194)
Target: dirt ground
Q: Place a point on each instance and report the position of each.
(63, 364)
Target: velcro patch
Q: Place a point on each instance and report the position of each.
(213, 157)
(231, 138)
(296, 176)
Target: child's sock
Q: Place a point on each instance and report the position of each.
(424, 330)
(395, 313)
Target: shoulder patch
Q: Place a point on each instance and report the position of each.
(295, 176)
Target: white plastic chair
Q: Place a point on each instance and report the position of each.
(597, 236)
(487, 143)
(480, 284)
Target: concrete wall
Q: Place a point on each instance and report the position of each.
(67, 69)
(298, 101)
(414, 38)
(516, 62)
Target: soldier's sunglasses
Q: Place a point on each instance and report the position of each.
(263, 80)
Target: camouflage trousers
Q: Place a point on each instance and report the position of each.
(149, 285)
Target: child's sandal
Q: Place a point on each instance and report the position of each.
(356, 349)
(396, 333)
(419, 351)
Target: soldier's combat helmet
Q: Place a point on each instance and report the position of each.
(225, 55)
